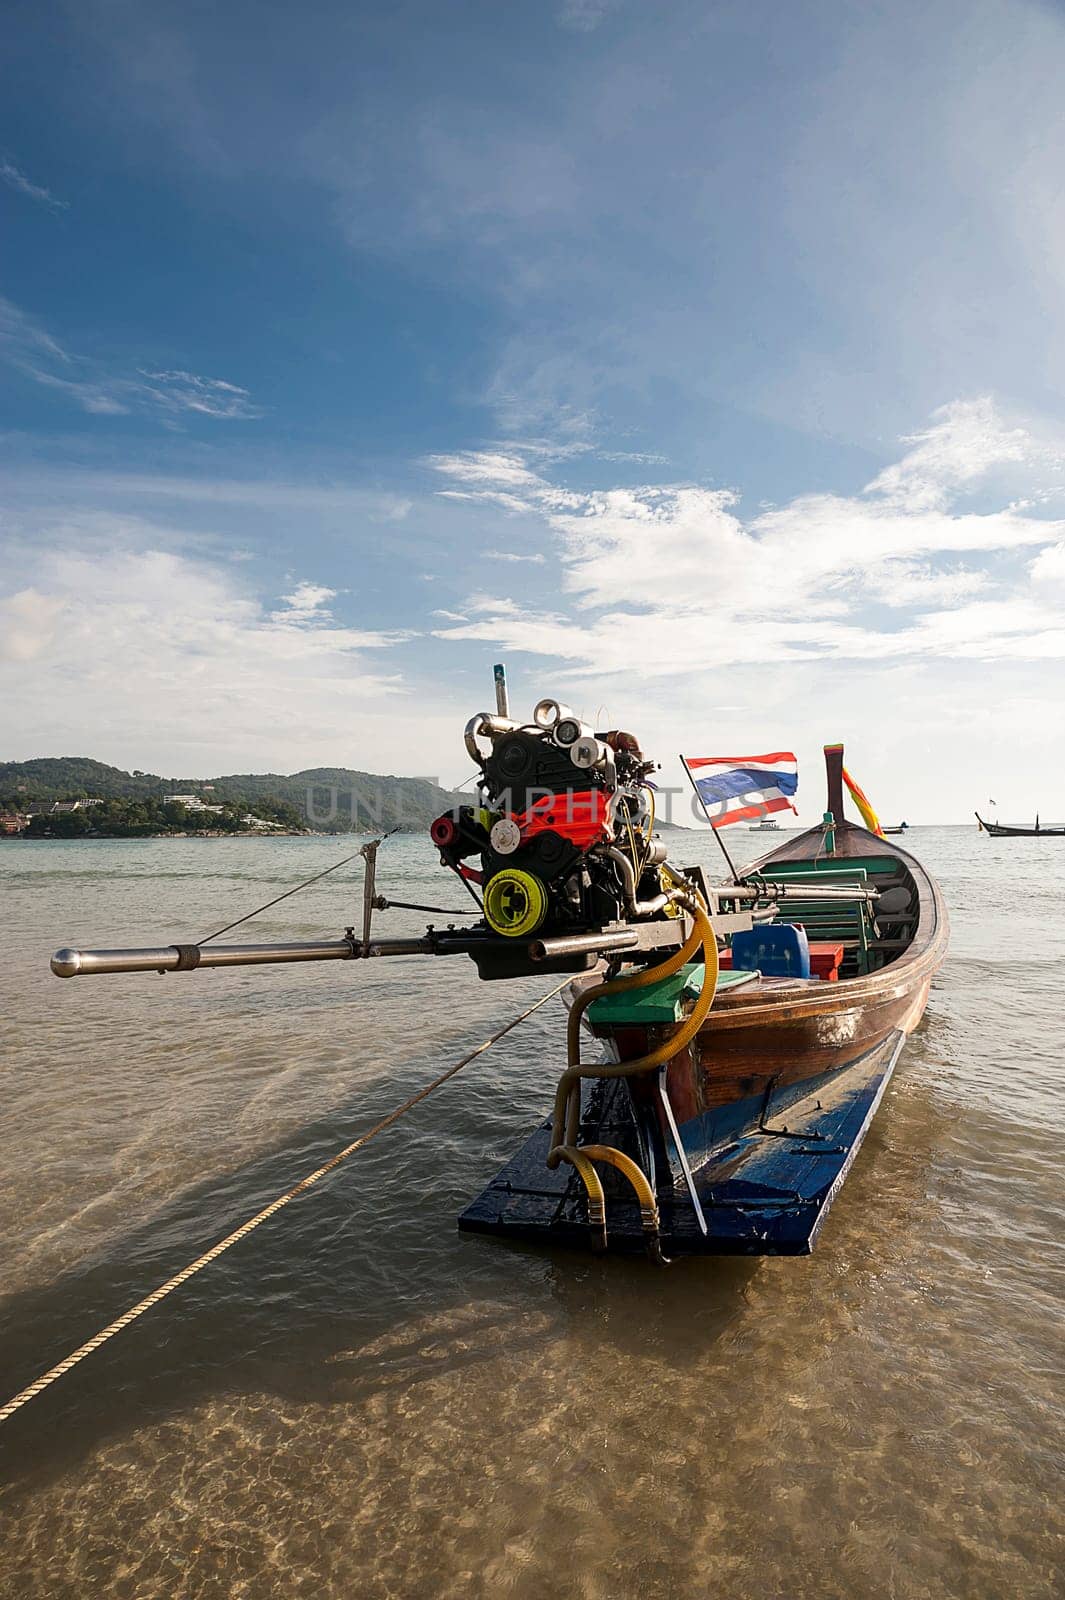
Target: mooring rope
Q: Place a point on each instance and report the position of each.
(46, 1379)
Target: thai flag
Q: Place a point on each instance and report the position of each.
(735, 788)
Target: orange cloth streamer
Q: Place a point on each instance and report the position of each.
(869, 816)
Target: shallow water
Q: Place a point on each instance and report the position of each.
(359, 1401)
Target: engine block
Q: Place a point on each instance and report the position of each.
(562, 830)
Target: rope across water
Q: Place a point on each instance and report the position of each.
(46, 1379)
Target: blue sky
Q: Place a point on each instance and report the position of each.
(702, 359)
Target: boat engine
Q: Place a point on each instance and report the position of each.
(562, 831)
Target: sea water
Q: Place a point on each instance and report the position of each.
(359, 1401)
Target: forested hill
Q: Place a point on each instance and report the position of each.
(328, 798)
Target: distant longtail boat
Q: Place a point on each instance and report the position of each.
(1003, 830)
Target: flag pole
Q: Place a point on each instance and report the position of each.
(695, 787)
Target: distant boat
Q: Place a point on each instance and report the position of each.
(902, 828)
(766, 826)
(1003, 830)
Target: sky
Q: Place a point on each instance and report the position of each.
(702, 361)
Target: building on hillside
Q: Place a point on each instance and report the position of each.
(191, 802)
(58, 807)
(13, 821)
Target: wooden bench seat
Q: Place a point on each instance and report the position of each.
(844, 922)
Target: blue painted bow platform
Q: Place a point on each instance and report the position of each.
(767, 1191)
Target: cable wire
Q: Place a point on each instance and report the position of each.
(288, 892)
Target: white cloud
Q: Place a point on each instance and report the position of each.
(170, 394)
(1047, 571)
(23, 337)
(185, 391)
(966, 441)
(306, 600)
(491, 468)
(675, 579)
(487, 497)
(550, 449)
(165, 657)
(99, 400)
(510, 555)
(639, 458)
(17, 180)
(911, 583)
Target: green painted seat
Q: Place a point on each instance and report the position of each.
(658, 1002)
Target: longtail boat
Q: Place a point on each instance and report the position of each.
(727, 1043)
(1003, 830)
(747, 1133)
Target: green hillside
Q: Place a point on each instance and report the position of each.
(328, 798)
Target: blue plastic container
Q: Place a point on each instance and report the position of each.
(776, 951)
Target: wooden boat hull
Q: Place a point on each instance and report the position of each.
(751, 1055)
(748, 1133)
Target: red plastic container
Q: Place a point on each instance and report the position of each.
(824, 961)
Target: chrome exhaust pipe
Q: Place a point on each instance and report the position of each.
(484, 723)
(583, 944)
(186, 957)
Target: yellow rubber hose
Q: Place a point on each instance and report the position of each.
(566, 1124)
(636, 1176)
(635, 980)
(578, 1159)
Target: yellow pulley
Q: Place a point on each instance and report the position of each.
(515, 903)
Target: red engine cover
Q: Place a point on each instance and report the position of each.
(579, 815)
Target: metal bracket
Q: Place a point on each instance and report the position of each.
(667, 1109)
(369, 855)
(785, 1132)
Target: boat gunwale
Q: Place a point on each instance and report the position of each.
(754, 1006)
(785, 1000)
